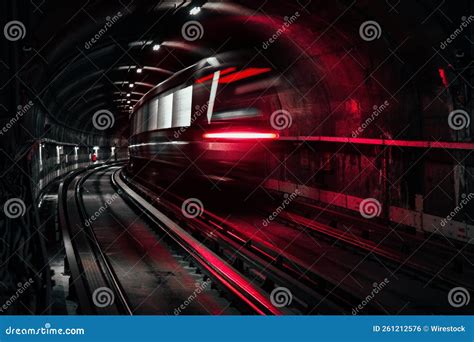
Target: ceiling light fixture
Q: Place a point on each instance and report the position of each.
(128, 94)
(156, 47)
(139, 70)
(195, 10)
(131, 85)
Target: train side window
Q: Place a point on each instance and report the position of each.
(153, 115)
(139, 120)
(145, 117)
(182, 103)
(134, 126)
(135, 123)
(236, 114)
(165, 111)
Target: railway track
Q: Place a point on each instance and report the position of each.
(108, 252)
(410, 282)
(402, 239)
(267, 265)
(244, 269)
(400, 259)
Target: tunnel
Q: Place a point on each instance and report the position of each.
(186, 157)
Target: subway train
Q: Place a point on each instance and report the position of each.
(215, 122)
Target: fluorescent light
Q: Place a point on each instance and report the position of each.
(195, 10)
(156, 47)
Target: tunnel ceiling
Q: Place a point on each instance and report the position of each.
(88, 53)
(79, 57)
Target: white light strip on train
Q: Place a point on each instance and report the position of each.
(212, 96)
(160, 143)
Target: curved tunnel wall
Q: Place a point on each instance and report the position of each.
(409, 75)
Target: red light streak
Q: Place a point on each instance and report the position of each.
(444, 79)
(246, 73)
(209, 77)
(241, 135)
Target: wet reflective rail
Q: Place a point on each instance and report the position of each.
(125, 257)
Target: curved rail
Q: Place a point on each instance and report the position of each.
(89, 267)
(209, 261)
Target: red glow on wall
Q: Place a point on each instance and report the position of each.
(444, 79)
(242, 135)
(209, 77)
(246, 73)
(353, 106)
